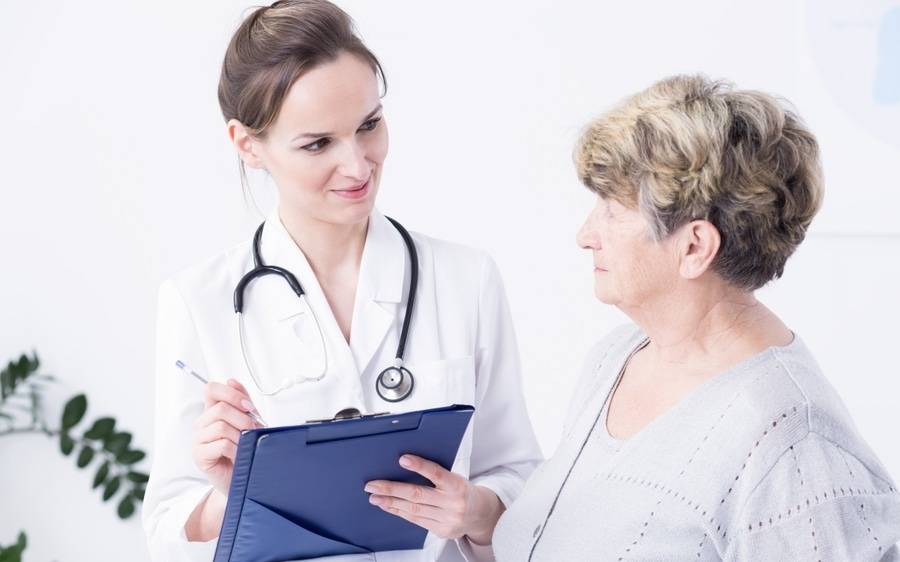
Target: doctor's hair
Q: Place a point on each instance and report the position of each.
(689, 148)
(272, 48)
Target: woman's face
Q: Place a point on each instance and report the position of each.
(326, 147)
(630, 268)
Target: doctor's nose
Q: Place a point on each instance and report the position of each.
(353, 163)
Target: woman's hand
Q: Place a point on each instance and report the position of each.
(218, 429)
(453, 508)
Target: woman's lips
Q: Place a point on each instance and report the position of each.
(354, 193)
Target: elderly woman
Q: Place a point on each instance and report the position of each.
(706, 431)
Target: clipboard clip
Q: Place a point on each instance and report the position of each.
(349, 414)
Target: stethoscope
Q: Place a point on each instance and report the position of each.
(395, 383)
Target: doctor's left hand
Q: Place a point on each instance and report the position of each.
(453, 508)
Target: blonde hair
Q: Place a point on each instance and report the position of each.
(689, 148)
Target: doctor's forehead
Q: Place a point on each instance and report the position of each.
(334, 97)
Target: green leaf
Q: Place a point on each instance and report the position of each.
(5, 383)
(14, 553)
(126, 507)
(138, 493)
(102, 429)
(85, 456)
(111, 488)
(118, 443)
(16, 372)
(74, 411)
(101, 475)
(130, 457)
(66, 443)
(138, 477)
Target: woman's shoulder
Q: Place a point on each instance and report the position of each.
(790, 440)
(817, 495)
(451, 254)
(211, 275)
(463, 265)
(786, 386)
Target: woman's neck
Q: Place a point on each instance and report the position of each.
(709, 328)
(329, 248)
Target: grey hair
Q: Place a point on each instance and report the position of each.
(690, 148)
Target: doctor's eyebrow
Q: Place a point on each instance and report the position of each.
(320, 135)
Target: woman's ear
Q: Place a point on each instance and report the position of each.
(698, 245)
(245, 143)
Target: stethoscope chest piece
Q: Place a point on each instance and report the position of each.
(394, 384)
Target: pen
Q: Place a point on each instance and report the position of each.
(188, 370)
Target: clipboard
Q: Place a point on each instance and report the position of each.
(297, 491)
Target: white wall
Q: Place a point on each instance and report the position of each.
(117, 173)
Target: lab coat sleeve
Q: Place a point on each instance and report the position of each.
(176, 485)
(504, 448)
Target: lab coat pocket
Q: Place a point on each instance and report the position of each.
(442, 383)
(267, 535)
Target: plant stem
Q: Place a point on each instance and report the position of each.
(32, 429)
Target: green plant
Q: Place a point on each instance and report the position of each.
(13, 553)
(110, 450)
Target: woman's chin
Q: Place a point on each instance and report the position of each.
(604, 296)
(343, 213)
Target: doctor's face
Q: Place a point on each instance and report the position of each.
(630, 268)
(326, 147)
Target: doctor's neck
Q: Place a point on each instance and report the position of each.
(329, 247)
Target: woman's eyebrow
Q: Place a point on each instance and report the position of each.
(319, 135)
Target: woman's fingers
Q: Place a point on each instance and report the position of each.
(235, 384)
(236, 396)
(443, 510)
(409, 492)
(224, 411)
(424, 522)
(409, 508)
(215, 450)
(218, 430)
(442, 478)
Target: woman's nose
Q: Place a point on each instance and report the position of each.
(353, 162)
(586, 237)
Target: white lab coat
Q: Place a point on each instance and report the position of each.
(461, 349)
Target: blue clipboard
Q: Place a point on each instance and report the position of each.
(297, 491)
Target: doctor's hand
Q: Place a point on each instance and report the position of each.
(218, 429)
(453, 508)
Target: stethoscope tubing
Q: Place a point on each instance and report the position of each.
(260, 269)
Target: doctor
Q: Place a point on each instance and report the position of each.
(300, 94)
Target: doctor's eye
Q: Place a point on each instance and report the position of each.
(370, 124)
(317, 145)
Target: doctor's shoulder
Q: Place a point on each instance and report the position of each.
(212, 280)
(458, 266)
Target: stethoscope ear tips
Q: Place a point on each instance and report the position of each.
(394, 384)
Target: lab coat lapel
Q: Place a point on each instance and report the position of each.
(379, 293)
(278, 248)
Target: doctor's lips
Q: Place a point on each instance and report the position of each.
(356, 192)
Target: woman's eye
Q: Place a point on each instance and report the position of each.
(316, 146)
(370, 124)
